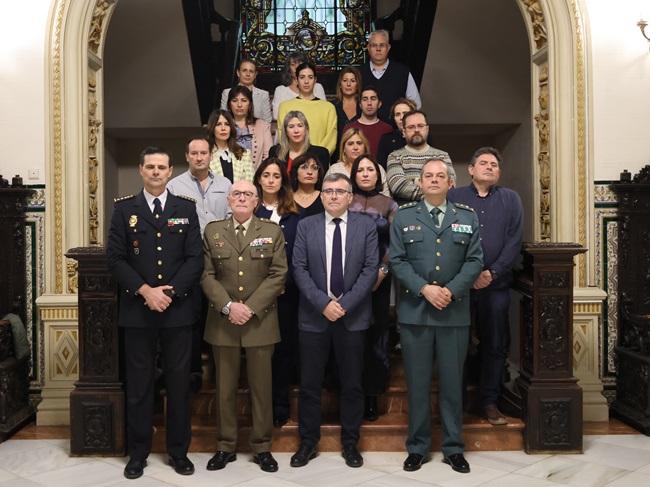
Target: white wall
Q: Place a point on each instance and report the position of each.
(621, 86)
(23, 27)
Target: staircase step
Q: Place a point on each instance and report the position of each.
(388, 433)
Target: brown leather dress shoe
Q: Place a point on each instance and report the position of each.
(494, 416)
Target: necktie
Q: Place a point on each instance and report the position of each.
(336, 270)
(435, 213)
(240, 236)
(157, 209)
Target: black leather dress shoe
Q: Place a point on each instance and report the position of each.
(370, 412)
(181, 465)
(135, 468)
(266, 461)
(303, 455)
(457, 462)
(220, 459)
(414, 461)
(352, 456)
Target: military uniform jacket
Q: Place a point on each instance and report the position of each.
(253, 274)
(145, 250)
(449, 256)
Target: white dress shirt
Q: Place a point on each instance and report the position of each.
(149, 197)
(330, 226)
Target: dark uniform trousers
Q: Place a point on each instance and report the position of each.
(140, 349)
(421, 345)
(348, 349)
(490, 308)
(377, 359)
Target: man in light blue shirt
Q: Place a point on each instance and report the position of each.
(199, 183)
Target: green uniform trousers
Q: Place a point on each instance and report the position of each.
(227, 361)
(421, 345)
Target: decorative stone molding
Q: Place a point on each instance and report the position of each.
(543, 154)
(587, 313)
(59, 318)
(536, 14)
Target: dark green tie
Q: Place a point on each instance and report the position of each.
(435, 212)
(240, 236)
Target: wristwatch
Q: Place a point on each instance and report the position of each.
(384, 269)
(226, 309)
(493, 274)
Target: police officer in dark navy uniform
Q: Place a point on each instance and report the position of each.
(435, 253)
(155, 254)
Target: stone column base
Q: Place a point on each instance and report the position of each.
(59, 318)
(587, 316)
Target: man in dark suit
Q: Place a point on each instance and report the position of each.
(435, 253)
(335, 267)
(245, 270)
(154, 252)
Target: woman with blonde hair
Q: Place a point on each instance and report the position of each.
(353, 144)
(228, 158)
(294, 142)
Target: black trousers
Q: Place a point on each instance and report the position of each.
(140, 345)
(377, 360)
(285, 355)
(314, 352)
(198, 345)
(490, 308)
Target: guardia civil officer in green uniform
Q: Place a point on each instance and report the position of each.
(436, 255)
(245, 270)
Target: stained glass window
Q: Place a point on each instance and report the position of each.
(331, 32)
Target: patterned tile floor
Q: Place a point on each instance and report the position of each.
(608, 460)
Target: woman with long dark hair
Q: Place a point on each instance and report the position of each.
(277, 204)
(306, 179)
(289, 87)
(253, 133)
(367, 199)
(228, 158)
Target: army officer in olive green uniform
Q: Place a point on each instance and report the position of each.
(436, 255)
(244, 273)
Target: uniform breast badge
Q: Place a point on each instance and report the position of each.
(133, 220)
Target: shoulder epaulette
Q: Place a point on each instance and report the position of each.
(123, 198)
(266, 220)
(464, 207)
(408, 205)
(182, 196)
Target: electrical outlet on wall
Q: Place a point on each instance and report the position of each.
(33, 173)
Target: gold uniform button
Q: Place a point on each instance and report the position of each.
(159, 248)
(240, 258)
(262, 256)
(437, 267)
(160, 262)
(159, 276)
(180, 230)
(241, 273)
(434, 282)
(438, 254)
(241, 288)
(438, 240)
(159, 235)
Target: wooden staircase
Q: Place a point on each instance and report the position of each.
(388, 433)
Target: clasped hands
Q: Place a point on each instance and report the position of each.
(155, 298)
(334, 311)
(239, 314)
(439, 297)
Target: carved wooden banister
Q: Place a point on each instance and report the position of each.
(632, 403)
(546, 393)
(97, 421)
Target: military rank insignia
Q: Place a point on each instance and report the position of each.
(258, 242)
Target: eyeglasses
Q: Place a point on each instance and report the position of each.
(338, 192)
(419, 126)
(246, 194)
(378, 46)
